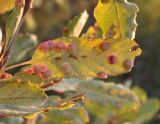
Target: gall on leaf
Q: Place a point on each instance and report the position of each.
(72, 49)
(102, 75)
(104, 46)
(128, 64)
(29, 71)
(44, 47)
(66, 68)
(60, 46)
(51, 44)
(36, 69)
(112, 59)
(46, 74)
(4, 76)
(42, 67)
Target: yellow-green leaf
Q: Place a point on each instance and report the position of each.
(87, 59)
(20, 98)
(106, 100)
(6, 5)
(70, 116)
(116, 18)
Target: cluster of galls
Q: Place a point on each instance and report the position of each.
(112, 59)
(71, 49)
(40, 70)
(51, 45)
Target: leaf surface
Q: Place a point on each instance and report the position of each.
(108, 100)
(20, 98)
(116, 18)
(6, 5)
(71, 116)
(87, 60)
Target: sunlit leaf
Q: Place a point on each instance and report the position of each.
(116, 18)
(86, 58)
(6, 5)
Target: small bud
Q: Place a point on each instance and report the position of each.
(43, 46)
(104, 46)
(128, 64)
(66, 68)
(60, 46)
(112, 59)
(72, 49)
(51, 44)
(46, 75)
(102, 75)
(19, 3)
(4, 76)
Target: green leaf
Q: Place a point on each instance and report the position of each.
(65, 85)
(6, 5)
(108, 100)
(12, 120)
(22, 48)
(71, 116)
(87, 59)
(12, 27)
(12, 24)
(146, 112)
(20, 98)
(76, 25)
(142, 95)
(116, 18)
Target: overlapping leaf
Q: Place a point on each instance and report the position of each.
(108, 100)
(116, 18)
(88, 59)
(25, 99)
(70, 116)
(76, 25)
(20, 98)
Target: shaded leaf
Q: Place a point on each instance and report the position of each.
(20, 98)
(65, 85)
(146, 112)
(116, 18)
(22, 48)
(71, 116)
(108, 100)
(12, 27)
(76, 25)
